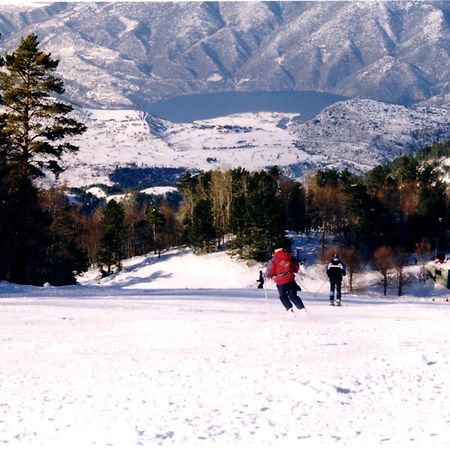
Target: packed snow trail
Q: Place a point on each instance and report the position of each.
(220, 368)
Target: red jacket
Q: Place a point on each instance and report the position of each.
(282, 268)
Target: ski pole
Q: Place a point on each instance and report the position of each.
(304, 289)
(320, 287)
(299, 288)
(309, 292)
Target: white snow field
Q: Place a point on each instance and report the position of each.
(148, 359)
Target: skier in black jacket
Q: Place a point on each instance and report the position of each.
(335, 271)
(260, 280)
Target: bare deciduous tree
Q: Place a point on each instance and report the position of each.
(423, 254)
(400, 259)
(221, 197)
(383, 262)
(351, 258)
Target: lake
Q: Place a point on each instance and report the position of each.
(187, 108)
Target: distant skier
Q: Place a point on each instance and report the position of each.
(260, 280)
(282, 268)
(335, 270)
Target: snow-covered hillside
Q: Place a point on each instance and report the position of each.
(180, 352)
(365, 132)
(126, 138)
(179, 269)
(129, 54)
(356, 133)
(122, 57)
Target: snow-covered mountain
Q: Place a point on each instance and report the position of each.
(117, 59)
(356, 133)
(131, 54)
(364, 133)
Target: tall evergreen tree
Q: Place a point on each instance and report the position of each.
(65, 257)
(294, 203)
(113, 238)
(202, 232)
(257, 216)
(364, 213)
(33, 125)
(265, 210)
(24, 229)
(35, 121)
(375, 179)
(157, 221)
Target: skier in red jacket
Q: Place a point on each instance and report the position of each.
(282, 268)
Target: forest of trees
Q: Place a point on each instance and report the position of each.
(380, 217)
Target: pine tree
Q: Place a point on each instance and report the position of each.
(265, 213)
(239, 188)
(365, 214)
(24, 229)
(65, 257)
(294, 202)
(113, 238)
(257, 214)
(157, 222)
(35, 121)
(33, 125)
(376, 178)
(202, 232)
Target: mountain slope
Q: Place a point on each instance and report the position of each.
(131, 54)
(357, 134)
(366, 132)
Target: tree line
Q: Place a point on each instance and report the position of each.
(381, 216)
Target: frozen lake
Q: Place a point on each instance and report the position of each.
(189, 108)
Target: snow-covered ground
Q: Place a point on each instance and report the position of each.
(184, 352)
(118, 138)
(357, 134)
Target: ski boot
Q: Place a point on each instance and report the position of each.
(338, 302)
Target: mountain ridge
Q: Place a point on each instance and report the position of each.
(132, 54)
(118, 59)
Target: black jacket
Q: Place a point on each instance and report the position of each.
(336, 270)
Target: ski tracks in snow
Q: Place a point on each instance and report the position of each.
(221, 371)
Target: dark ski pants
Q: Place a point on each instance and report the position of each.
(288, 295)
(335, 286)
